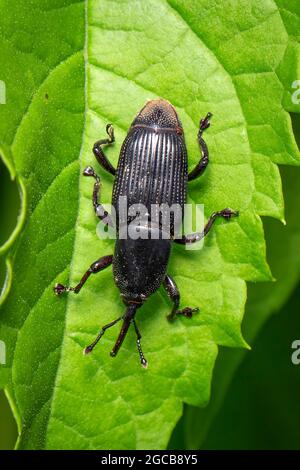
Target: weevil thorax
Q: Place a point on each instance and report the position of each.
(158, 114)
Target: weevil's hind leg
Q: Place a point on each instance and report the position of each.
(227, 214)
(203, 162)
(143, 360)
(98, 151)
(96, 267)
(100, 212)
(174, 294)
(91, 346)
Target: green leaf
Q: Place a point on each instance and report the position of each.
(69, 69)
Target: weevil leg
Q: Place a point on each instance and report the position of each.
(203, 162)
(227, 214)
(96, 267)
(174, 294)
(91, 346)
(100, 212)
(143, 360)
(98, 151)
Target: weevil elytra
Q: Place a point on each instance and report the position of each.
(152, 170)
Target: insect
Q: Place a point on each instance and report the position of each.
(152, 169)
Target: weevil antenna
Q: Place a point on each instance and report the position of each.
(90, 348)
(127, 319)
(143, 360)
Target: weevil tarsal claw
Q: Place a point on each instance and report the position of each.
(110, 132)
(59, 289)
(88, 171)
(229, 213)
(205, 122)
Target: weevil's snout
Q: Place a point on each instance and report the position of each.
(159, 113)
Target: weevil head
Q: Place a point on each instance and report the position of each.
(158, 113)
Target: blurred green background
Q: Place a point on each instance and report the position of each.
(258, 406)
(262, 408)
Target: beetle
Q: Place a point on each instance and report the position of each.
(152, 169)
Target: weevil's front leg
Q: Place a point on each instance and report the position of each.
(174, 294)
(100, 212)
(203, 162)
(96, 267)
(227, 214)
(100, 155)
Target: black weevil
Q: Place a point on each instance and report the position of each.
(152, 169)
